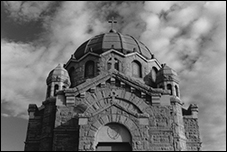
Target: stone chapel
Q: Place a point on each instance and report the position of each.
(112, 95)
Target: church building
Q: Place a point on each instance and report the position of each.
(112, 95)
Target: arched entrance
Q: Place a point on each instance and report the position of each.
(113, 137)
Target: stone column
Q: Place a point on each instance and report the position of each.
(178, 125)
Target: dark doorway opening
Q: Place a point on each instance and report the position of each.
(112, 146)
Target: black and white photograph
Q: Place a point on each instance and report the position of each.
(113, 75)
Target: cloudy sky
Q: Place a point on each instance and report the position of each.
(189, 36)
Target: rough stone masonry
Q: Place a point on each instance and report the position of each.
(112, 95)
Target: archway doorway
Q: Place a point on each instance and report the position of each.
(113, 137)
(118, 146)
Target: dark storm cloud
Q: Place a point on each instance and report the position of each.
(25, 21)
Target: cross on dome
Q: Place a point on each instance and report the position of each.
(112, 21)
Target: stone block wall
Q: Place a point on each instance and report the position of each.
(40, 127)
(33, 135)
(73, 126)
(61, 130)
(192, 134)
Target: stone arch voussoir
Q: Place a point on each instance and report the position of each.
(99, 96)
(115, 118)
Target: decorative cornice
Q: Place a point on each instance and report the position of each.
(137, 84)
(175, 100)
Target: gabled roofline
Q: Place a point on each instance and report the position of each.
(84, 56)
(89, 83)
(112, 50)
(115, 51)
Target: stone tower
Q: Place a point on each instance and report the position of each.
(111, 95)
(57, 79)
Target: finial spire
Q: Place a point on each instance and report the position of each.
(112, 21)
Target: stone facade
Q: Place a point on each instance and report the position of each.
(112, 107)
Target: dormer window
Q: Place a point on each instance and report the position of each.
(136, 69)
(89, 69)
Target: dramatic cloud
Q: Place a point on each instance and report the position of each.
(72, 25)
(192, 39)
(27, 10)
(189, 36)
(21, 72)
(25, 67)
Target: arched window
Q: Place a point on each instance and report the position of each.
(56, 87)
(71, 75)
(89, 69)
(177, 93)
(109, 65)
(169, 87)
(116, 65)
(136, 69)
(113, 63)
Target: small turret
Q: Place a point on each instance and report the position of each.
(32, 110)
(57, 79)
(167, 79)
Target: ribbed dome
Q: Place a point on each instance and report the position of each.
(113, 40)
(58, 74)
(166, 70)
(166, 73)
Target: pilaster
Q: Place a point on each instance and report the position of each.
(178, 125)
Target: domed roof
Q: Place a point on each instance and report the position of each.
(166, 70)
(58, 74)
(166, 73)
(113, 40)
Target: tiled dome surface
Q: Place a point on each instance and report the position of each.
(113, 40)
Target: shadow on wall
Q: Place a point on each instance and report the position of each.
(150, 79)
